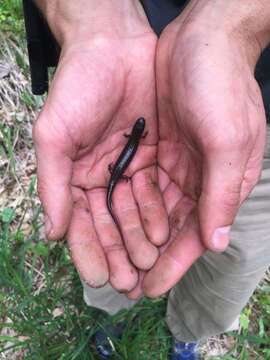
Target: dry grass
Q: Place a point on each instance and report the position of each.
(17, 158)
(18, 164)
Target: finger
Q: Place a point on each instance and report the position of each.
(172, 195)
(137, 292)
(123, 275)
(86, 251)
(179, 208)
(54, 168)
(181, 253)
(255, 163)
(223, 175)
(153, 213)
(178, 215)
(142, 252)
(163, 179)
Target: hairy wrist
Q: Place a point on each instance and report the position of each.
(72, 21)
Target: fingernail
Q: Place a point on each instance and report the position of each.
(48, 225)
(221, 238)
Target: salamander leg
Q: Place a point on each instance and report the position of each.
(145, 134)
(127, 135)
(125, 177)
(110, 167)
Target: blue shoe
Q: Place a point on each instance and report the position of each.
(184, 351)
(103, 338)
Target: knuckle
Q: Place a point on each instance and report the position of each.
(39, 131)
(249, 182)
(232, 139)
(46, 133)
(231, 201)
(253, 181)
(231, 194)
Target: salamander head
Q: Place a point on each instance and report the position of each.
(140, 124)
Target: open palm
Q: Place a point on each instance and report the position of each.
(99, 90)
(212, 138)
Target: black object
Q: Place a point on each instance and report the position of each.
(161, 12)
(262, 75)
(124, 159)
(106, 334)
(43, 49)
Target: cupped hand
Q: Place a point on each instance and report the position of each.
(100, 88)
(212, 138)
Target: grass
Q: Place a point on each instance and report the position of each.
(42, 313)
(11, 16)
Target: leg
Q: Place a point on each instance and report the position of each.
(144, 135)
(125, 177)
(109, 300)
(110, 168)
(209, 298)
(106, 298)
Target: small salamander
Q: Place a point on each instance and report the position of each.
(117, 171)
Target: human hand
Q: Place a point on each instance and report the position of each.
(212, 133)
(103, 83)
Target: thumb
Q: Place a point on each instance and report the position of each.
(54, 169)
(220, 198)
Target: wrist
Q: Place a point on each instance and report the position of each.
(78, 21)
(244, 22)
